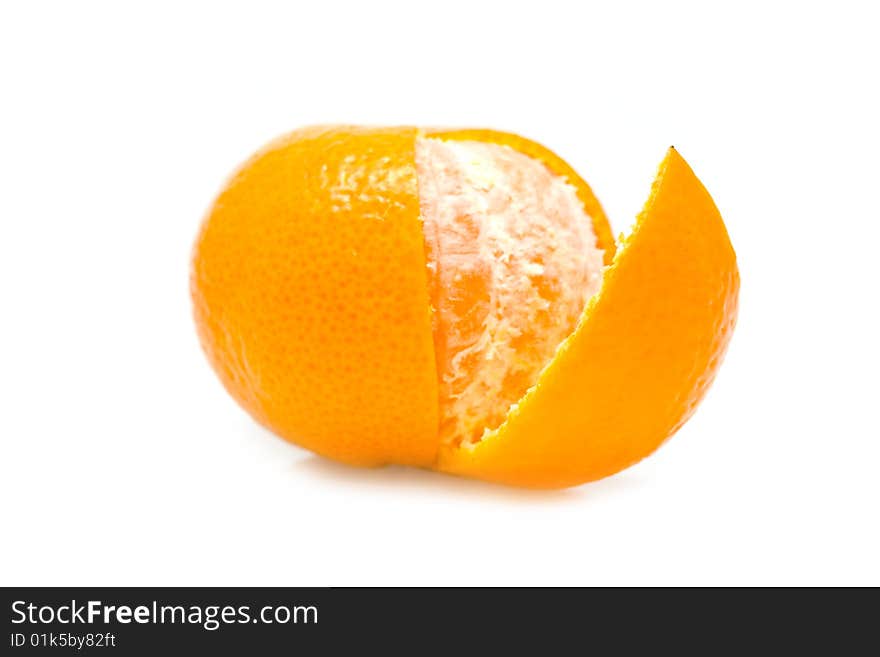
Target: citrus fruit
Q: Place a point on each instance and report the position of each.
(454, 299)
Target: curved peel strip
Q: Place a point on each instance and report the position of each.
(642, 357)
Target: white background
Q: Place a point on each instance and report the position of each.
(124, 462)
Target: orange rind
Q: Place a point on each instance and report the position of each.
(454, 299)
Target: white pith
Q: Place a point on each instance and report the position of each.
(494, 215)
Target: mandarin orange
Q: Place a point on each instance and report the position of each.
(454, 299)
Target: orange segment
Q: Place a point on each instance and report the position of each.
(646, 350)
(513, 260)
(310, 293)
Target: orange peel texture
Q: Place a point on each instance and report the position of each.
(347, 309)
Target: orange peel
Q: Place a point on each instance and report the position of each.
(318, 302)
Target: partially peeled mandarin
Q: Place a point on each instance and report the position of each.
(454, 299)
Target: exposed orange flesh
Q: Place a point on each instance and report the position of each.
(643, 356)
(512, 261)
(472, 293)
